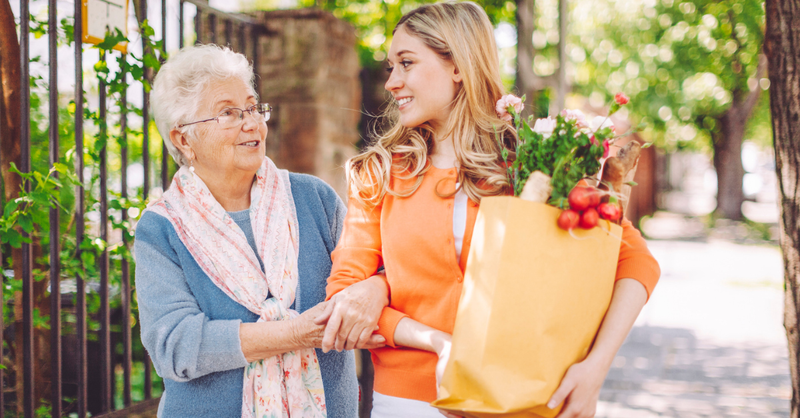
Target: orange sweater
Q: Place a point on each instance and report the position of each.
(413, 239)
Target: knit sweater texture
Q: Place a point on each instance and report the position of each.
(412, 237)
(190, 328)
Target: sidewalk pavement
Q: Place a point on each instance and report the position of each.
(710, 342)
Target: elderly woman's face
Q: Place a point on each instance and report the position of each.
(224, 151)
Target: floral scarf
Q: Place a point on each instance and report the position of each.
(286, 385)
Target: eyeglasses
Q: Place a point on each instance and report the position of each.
(232, 117)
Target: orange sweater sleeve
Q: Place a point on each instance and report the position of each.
(635, 260)
(358, 256)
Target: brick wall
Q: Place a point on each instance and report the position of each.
(309, 72)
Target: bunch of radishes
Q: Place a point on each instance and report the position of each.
(586, 209)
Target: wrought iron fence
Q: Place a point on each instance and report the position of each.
(241, 32)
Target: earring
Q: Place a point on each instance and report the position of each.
(191, 166)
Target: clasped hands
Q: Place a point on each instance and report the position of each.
(351, 316)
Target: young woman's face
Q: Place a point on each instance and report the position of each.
(423, 84)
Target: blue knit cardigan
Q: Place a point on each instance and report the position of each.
(190, 328)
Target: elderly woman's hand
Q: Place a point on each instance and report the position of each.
(310, 327)
(260, 340)
(355, 315)
(306, 331)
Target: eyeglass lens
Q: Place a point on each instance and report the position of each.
(260, 112)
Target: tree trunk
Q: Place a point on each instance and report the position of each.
(10, 131)
(782, 46)
(728, 164)
(10, 120)
(727, 144)
(9, 105)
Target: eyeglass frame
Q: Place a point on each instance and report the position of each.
(248, 110)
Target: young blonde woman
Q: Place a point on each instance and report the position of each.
(414, 196)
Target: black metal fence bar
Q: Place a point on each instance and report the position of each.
(212, 28)
(105, 317)
(198, 23)
(27, 256)
(229, 32)
(55, 228)
(242, 40)
(164, 152)
(127, 356)
(254, 34)
(148, 378)
(80, 204)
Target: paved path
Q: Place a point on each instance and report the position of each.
(710, 342)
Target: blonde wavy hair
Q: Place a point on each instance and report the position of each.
(462, 34)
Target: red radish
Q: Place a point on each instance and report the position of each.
(589, 219)
(568, 219)
(594, 197)
(579, 198)
(609, 211)
(582, 198)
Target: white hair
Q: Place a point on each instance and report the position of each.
(183, 80)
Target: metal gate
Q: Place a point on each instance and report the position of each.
(211, 25)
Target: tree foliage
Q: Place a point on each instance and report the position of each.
(375, 20)
(684, 63)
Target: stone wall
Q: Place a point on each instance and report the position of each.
(308, 71)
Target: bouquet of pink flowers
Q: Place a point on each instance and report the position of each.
(556, 154)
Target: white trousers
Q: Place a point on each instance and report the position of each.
(384, 406)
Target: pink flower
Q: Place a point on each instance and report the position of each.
(504, 103)
(545, 126)
(606, 148)
(621, 99)
(577, 115)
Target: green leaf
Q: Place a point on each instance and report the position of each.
(25, 223)
(11, 206)
(632, 183)
(14, 239)
(61, 168)
(14, 169)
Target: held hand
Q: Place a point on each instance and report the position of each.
(309, 333)
(355, 315)
(443, 346)
(311, 329)
(443, 343)
(581, 389)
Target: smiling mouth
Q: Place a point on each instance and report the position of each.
(251, 144)
(404, 101)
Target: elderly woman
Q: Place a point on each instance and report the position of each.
(231, 262)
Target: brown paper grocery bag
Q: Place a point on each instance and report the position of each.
(533, 299)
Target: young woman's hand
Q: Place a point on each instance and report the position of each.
(442, 342)
(355, 315)
(580, 388)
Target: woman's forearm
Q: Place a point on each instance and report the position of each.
(410, 333)
(262, 340)
(627, 301)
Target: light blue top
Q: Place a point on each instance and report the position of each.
(190, 328)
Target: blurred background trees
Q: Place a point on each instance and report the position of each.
(693, 69)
